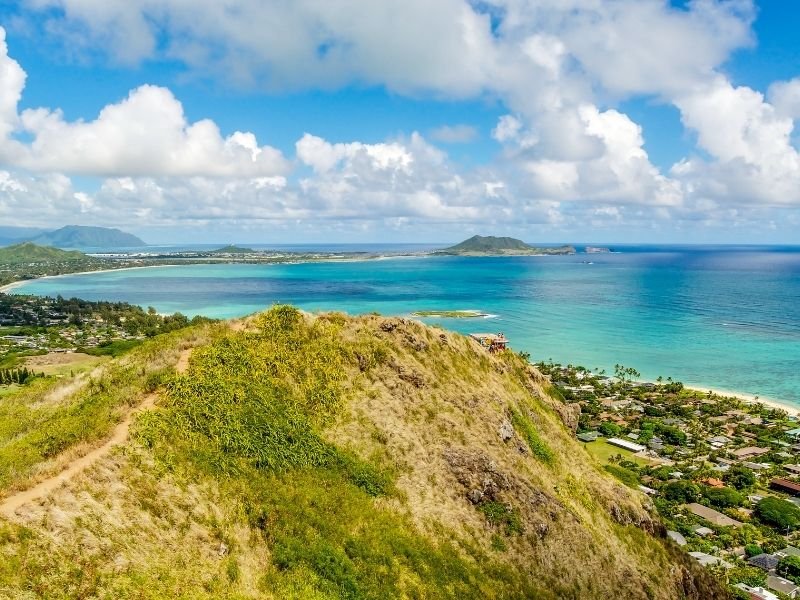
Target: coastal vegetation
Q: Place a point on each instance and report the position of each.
(323, 456)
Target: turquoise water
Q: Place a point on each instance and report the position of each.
(727, 318)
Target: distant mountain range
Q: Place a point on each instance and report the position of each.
(71, 236)
(479, 245)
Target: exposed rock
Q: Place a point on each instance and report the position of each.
(389, 325)
(506, 430)
(475, 496)
(408, 375)
(541, 529)
(569, 413)
(476, 471)
(628, 516)
(223, 549)
(416, 343)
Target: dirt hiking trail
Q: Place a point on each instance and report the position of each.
(9, 505)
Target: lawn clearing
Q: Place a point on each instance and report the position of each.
(62, 363)
(602, 451)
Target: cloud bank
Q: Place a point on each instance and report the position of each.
(567, 155)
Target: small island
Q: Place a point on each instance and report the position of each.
(232, 249)
(479, 245)
(450, 314)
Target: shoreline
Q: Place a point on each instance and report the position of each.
(15, 284)
(747, 398)
(791, 409)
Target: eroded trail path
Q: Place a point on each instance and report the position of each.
(9, 505)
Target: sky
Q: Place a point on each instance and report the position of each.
(266, 121)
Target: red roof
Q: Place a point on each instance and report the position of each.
(785, 484)
(712, 482)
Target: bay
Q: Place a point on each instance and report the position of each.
(721, 317)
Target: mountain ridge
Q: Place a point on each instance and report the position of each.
(84, 236)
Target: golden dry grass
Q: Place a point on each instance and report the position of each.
(425, 405)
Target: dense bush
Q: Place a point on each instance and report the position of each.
(626, 476)
(789, 567)
(681, 491)
(724, 497)
(739, 477)
(752, 550)
(609, 428)
(778, 513)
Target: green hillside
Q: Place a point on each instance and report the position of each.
(28, 252)
(491, 245)
(80, 236)
(323, 457)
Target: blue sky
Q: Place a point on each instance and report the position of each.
(554, 121)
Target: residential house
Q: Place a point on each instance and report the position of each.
(764, 561)
(784, 485)
(706, 560)
(784, 586)
(749, 452)
(712, 516)
(756, 593)
(677, 537)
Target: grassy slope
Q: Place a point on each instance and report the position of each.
(28, 252)
(330, 457)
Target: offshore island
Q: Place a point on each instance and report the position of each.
(276, 436)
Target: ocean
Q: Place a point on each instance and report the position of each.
(718, 317)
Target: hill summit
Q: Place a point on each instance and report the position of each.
(323, 456)
(28, 252)
(479, 245)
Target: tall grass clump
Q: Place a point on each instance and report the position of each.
(525, 427)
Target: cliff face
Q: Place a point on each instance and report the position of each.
(327, 457)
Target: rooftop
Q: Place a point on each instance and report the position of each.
(712, 516)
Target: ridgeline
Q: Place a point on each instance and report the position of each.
(299, 456)
(28, 252)
(82, 236)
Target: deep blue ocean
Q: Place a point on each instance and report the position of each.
(722, 317)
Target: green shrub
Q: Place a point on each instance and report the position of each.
(723, 497)
(779, 513)
(525, 427)
(751, 550)
(501, 515)
(609, 428)
(739, 477)
(626, 476)
(681, 491)
(789, 567)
